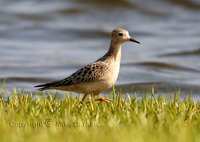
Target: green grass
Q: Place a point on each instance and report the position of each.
(30, 118)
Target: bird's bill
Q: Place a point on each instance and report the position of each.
(133, 40)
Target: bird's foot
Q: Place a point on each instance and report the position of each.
(103, 99)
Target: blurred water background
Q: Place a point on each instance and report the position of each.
(45, 40)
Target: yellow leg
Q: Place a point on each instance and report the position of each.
(103, 99)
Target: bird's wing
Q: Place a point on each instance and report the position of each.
(89, 73)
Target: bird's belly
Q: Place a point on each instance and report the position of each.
(89, 87)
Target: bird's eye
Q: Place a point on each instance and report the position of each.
(120, 34)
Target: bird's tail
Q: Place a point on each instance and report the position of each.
(47, 86)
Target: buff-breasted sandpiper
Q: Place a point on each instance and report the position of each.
(98, 76)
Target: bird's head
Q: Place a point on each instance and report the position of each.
(120, 36)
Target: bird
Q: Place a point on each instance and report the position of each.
(97, 76)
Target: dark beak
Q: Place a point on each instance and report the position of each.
(133, 40)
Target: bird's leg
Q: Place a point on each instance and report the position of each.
(103, 99)
(85, 95)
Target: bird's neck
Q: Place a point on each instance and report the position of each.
(115, 50)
